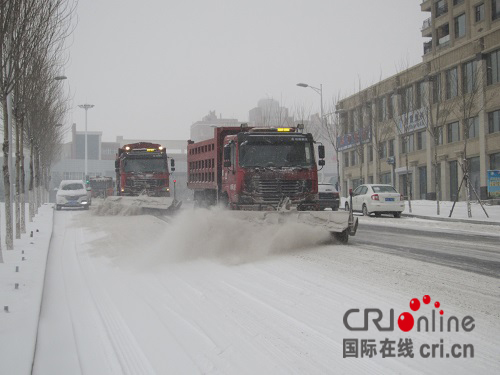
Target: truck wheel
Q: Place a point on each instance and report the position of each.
(335, 208)
(397, 215)
(365, 211)
(342, 237)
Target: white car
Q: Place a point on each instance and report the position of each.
(377, 199)
(72, 193)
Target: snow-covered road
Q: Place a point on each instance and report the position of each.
(201, 294)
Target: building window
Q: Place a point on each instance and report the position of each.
(407, 100)
(421, 140)
(436, 88)
(385, 178)
(392, 99)
(495, 9)
(453, 132)
(469, 75)
(407, 143)
(420, 97)
(382, 150)
(422, 182)
(460, 26)
(391, 147)
(456, 2)
(493, 67)
(494, 122)
(345, 156)
(479, 12)
(438, 135)
(353, 158)
(441, 7)
(443, 34)
(382, 109)
(451, 83)
(472, 128)
(495, 161)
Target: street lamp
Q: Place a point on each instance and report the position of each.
(318, 91)
(86, 107)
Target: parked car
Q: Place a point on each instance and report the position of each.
(72, 193)
(328, 197)
(377, 199)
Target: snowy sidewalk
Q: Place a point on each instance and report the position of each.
(427, 210)
(21, 286)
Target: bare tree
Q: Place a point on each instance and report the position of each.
(471, 100)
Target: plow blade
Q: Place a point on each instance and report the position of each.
(340, 224)
(140, 205)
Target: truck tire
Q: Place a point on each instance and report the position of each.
(342, 237)
(397, 215)
(365, 210)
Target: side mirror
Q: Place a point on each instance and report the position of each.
(321, 162)
(227, 154)
(172, 163)
(321, 152)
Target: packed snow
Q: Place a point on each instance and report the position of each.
(204, 293)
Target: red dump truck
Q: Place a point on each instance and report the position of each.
(142, 169)
(263, 170)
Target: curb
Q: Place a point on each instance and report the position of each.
(452, 219)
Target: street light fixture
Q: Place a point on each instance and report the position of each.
(86, 107)
(318, 91)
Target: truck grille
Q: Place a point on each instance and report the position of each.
(272, 190)
(143, 183)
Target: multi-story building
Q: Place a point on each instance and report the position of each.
(432, 122)
(269, 113)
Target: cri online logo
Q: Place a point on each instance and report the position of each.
(406, 321)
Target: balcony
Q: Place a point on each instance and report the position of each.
(427, 47)
(426, 24)
(426, 5)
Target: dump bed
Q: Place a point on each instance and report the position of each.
(205, 160)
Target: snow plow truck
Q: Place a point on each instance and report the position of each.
(142, 181)
(263, 175)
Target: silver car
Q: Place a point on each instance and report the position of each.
(72, 193)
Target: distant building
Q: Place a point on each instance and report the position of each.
(204, 129)
(269, 113)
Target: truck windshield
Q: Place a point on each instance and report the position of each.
(266, 152)
(144, 165)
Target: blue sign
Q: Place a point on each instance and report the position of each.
(355, 138)
(494, 184)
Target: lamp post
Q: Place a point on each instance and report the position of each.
(318, 91)
(86, 107)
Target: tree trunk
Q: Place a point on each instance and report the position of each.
(9, 240)
(436, 178)
(31, 195)
(22, 180)
(408, 187)
(18, 185)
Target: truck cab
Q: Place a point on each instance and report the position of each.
(266, 167)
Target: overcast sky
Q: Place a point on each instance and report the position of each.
(154, 67)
